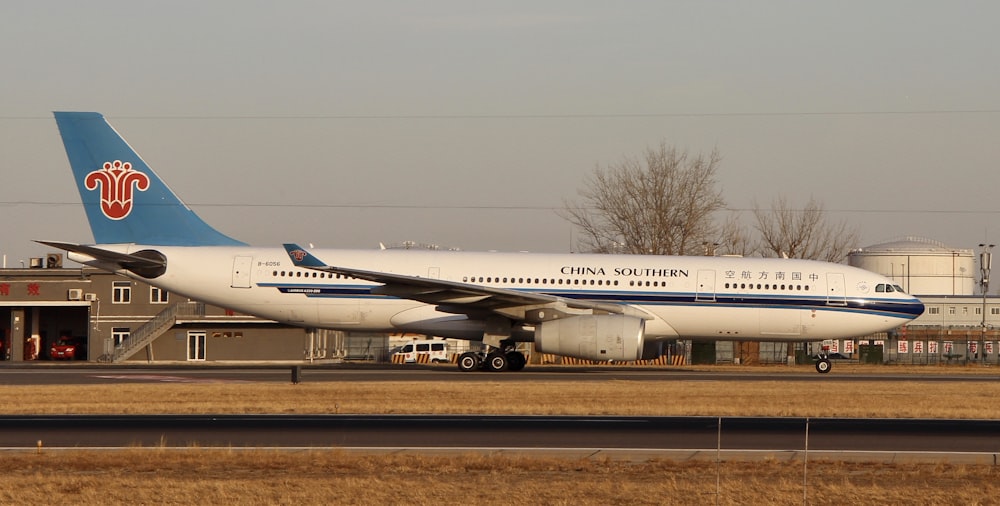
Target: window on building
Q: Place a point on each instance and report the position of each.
(995, 310)
(951, 310)
(121, 292)
(119, 335)
(158, 295)
(933, 310)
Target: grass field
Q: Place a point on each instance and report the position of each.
(220, 476)
(767, 396)
(329, 477)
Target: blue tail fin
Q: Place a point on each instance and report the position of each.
(126, 202)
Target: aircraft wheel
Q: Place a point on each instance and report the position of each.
(823, 365)
(516, 361)
(497, 362)
(468, 361)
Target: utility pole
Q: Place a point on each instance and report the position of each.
(985, 262)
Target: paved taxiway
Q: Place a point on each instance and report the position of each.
(59, 374)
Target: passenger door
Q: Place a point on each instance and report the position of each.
(706, 286)
(836, 292)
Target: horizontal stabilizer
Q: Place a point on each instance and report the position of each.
(148, 263)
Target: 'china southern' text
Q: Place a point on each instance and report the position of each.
(626, 272)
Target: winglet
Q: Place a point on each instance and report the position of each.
(302, 258)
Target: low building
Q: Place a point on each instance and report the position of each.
(109, 318)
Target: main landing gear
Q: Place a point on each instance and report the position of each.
(823, 364)
(502, 359)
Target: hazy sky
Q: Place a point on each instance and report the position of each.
(467, 124)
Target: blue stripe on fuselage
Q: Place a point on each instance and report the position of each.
(879, 306)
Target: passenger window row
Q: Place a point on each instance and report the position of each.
(576, 282)
(767, 286)
(538, 281)
(300, 274)
(558, 281)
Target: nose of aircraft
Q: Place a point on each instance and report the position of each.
(912, 307)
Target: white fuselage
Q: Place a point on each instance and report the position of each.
(721, 298)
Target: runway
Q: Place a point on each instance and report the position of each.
(621, 437)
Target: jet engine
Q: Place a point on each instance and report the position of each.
(595, 337)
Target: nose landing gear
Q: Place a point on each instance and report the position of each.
(823, 364)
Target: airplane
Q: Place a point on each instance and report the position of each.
(599, 307)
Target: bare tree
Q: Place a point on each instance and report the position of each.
(736, 238)
(803, 233)
(661, 205)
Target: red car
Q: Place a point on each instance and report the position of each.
(64, 348)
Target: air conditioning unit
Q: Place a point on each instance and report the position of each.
(74, 294)
(90, 297)
(36, 263)
(53, 261)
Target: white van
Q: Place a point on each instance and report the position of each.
(423, 351)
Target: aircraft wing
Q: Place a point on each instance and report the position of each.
(454, 296)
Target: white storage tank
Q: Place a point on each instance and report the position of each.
(921, 266)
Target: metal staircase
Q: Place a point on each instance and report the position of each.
(144, 335)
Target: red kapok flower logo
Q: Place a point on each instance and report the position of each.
(116, 180)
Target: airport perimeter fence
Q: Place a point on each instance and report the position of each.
(923, 346)
(951, 352)
(944, 347)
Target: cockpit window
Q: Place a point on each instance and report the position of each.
(887, 288)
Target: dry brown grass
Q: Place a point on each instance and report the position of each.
(331, 477)
(220, 476)
(903, 399)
